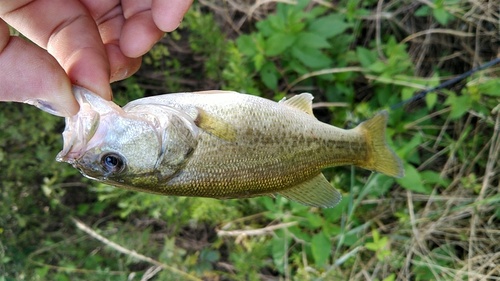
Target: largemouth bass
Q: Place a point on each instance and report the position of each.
(220, 144)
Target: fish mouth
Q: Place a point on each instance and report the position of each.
(73, 145)
(77, 133)
(87, 168)
(80, 128)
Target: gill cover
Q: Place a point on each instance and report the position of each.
(155, 140)
(177, 132)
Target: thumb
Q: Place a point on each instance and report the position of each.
(31, 75)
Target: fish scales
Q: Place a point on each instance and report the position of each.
(267, 137)
(222, 145)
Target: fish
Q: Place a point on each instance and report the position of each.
(220, 144)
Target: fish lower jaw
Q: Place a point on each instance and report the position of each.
(69, 157)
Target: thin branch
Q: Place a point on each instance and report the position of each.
(329, 104)
(259, 3)
(323, 72)
(437, 31)
(130, 253)
(256, 232)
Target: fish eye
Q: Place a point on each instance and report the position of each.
(112, 162)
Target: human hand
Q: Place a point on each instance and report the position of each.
(89, 43)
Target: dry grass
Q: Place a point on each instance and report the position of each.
(471, 40)
(452, 234)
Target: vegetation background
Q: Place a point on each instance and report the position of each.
(440, 222)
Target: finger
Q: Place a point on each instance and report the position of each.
(69, 33)
(168, 14)
(121, 66)
(31, 75)
(139, 32)
(109, 18)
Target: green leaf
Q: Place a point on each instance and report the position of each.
(391, 277)
(407, 93)
(372, 246)
(422, 11)
(459, 105)
(298, 67)
(42, 271)
(333, 215)
(209, 255)
(376, 235)
(311, 57)
(379, 184)
(378, 67)
(321, 248)
(246, 45)
(278, 43)
(434, 178)
(259, 60)
(410, 146)
(431, 100)
(278, 23)
(265, 26)
(300, 233)
(490, 88)
(441, 15)
(314, 220)
(329, 26)
(413, 181)
(269, 75)
(279, 250)
(312, 40)
(295, 21)
(302, 4)
(268, 203)
(365, 56)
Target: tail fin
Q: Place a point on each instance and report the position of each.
(383, 159)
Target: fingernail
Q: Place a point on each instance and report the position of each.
(48, 107)
(119, 74)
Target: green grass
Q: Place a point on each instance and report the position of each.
(440, 222)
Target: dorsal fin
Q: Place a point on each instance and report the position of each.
(301, 102)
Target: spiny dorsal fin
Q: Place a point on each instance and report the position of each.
(302, 102)
(316, 192)
(215, 126)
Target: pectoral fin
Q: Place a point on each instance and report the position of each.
(215, 126)
(316, 192)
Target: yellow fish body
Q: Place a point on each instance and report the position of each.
(220, 144)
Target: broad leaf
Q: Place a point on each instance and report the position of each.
(278, 43)
(329, 26)
(413, 181)
(321, 248)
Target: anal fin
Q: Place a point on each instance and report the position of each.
(316, 192)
